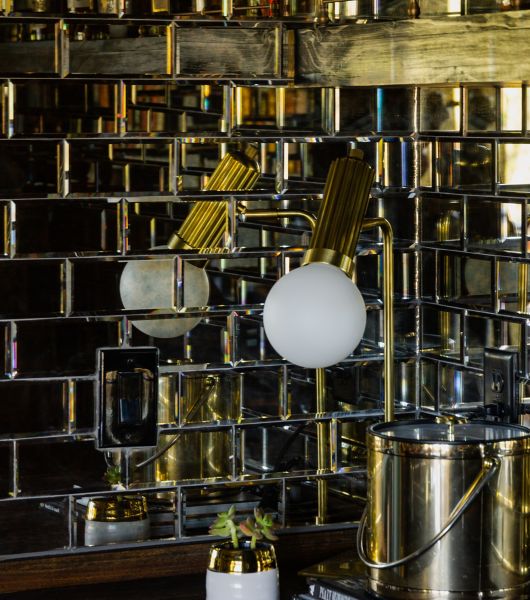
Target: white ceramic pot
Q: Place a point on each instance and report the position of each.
(98, 533)
(242, 574)
(116, 519)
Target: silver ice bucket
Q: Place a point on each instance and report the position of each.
(448, 512)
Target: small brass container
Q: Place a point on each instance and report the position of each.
(116, 519)
(242, 572)
(199, 454)
(117, 509)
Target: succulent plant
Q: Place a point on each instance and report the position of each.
(113, 475)
(225, 526)
(266, 524)
(257, 528)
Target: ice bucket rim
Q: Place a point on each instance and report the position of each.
(458, 448)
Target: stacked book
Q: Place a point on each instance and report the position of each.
(336, 589)
(342, 577)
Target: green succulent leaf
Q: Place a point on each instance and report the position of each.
(222, 532)
(269, 535)
(257, 528)
(113, 475)
(246, 530)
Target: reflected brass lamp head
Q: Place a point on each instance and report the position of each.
(341, 213)
(205, 225)
(150, 284)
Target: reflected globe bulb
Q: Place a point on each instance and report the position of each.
(314, 316)
(149, 284)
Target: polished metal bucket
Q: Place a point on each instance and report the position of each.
(448, 512)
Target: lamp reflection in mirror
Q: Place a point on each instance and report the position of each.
(315, 315)
(150, 284)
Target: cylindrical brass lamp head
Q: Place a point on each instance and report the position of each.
(341, 213)
(206, 223)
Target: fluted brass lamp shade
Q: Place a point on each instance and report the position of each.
(341, 213)
(315, 316)
(205, 225)
(150, 284)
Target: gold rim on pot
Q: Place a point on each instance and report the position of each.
(117, 509)
(225, 559)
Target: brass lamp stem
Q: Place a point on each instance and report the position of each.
(388, 310)
(322, 447)
(388, 359)
(523, 286)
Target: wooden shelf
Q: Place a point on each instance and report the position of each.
(294, 551)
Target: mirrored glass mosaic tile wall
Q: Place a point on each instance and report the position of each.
(112, 121)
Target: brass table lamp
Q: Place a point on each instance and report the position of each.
(315, 316)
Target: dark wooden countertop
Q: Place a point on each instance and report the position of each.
(173, 571)
(185, 587)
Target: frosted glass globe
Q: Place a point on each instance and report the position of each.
(149, 284)
(314, 316)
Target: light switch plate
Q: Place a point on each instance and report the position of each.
(500, 389)
(127, 398)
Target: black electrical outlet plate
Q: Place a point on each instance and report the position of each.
(127, 398)
(500, 389)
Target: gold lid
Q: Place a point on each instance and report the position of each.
(225, 559)
(207, 221)
(341, 213)
(117, 508)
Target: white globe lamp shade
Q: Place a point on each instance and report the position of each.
(314, 316)
(149, 285)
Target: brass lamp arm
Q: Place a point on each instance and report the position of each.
(247, 213)
(388, 285)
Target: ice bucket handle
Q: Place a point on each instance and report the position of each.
(489, 468)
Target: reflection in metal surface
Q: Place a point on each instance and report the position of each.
(204, 397)
(225, 559)
(152, 284)
(417, 487)
(117, 509)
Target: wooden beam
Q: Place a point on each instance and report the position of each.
(447, 50)
(229, 53)
(129, 56)
(477, 48)
(201, 53)
(27, 58)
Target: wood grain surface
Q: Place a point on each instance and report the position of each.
(28, 57)
(207, 53)
(477, 48)
(142, 56)
(228, 52)
(294, 552)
